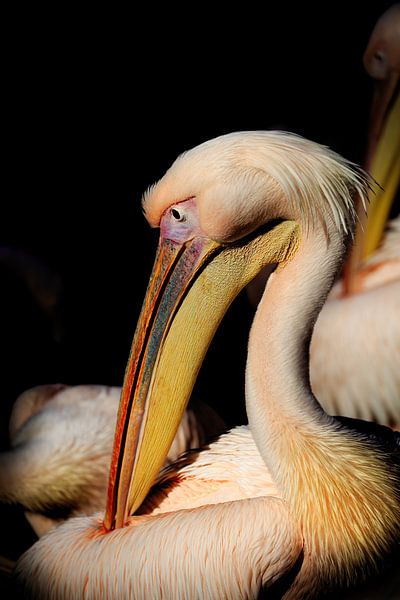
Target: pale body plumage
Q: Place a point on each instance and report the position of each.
(318, 488)
(355, 351)
(209, 483)
(61, 440)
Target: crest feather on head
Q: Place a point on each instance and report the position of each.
(317, 182)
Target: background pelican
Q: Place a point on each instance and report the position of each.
(313, 503)
(355, 351)
(355, 348)
(61, 443)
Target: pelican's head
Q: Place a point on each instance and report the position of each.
(225, 209)
(382, 55)
(242, 180)
(382, 63)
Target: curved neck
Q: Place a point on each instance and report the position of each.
(279, 400)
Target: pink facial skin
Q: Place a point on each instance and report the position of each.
(180, 222)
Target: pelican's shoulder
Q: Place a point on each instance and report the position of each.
(227, 469)
(228, 449)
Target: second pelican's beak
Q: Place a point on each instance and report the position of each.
(384, 115)
(383, 162)
(191, 287)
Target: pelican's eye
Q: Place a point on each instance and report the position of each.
(178, 215)
(180, 221)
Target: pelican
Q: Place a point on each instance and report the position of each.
(61, 443)
(299, 502)
(355, 350)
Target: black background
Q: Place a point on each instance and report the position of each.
(95, 107)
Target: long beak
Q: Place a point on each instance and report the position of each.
(383, 106)
(383, 163)
(384, 166)
(191, 288)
